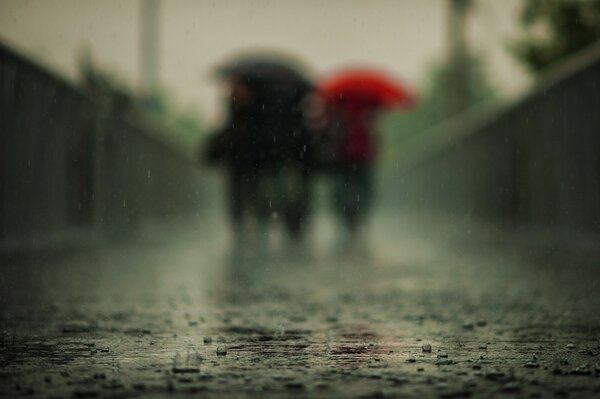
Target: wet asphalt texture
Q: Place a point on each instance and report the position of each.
(428, 311)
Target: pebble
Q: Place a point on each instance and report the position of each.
(374, 375)
(458, 393)
(494, 374)
(181, 370)
(483, 346)
(411, 360)
(195, 389)
(374, 395)
(221, 351)
(510, 387)
(207, 340)
(89, 393)
(113, 385)
(138, 331)
(468, 326)
(570, 346)
(426, 348)
(397, 380)
(531, 365)
(442, 355)
(582, 370)
(77, 327)
(294, 385)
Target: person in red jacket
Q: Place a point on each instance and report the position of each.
(354, 98)
(353, 170)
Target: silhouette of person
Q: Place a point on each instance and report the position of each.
(266, 149)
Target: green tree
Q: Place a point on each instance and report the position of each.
(555, 29)
(158, 112)
(397, 128)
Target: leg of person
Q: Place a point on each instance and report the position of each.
(236, 210)
(342, 206)
(356, 196)
(297, 201)
(363, 191)
(352, 199)
(264, 207)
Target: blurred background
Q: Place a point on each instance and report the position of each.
(487, 137)
(76, 72)
(476, 176)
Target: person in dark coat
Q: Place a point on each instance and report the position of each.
(265, 149)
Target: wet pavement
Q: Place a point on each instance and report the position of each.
(430, 311)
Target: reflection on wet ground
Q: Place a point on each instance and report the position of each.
(422, 315)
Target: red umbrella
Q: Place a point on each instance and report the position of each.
(365, 89)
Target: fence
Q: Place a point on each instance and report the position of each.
(534, 162)
(64, 166)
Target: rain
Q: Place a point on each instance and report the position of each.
(272, 199)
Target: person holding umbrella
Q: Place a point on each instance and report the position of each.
(264, 147)
(355, 97)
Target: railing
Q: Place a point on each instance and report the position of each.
(63, 166)
(535, 162)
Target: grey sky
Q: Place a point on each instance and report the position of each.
(403, 37)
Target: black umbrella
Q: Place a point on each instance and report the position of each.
(272, 121)
(268, 74)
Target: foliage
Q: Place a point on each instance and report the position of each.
(116, 100)
(397, 128)
(555, 29)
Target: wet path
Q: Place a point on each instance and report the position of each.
(423, 316)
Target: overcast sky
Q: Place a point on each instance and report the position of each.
(402, 36)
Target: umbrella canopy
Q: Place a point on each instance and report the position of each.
(363, 89)
(269, 124)
(268, 73)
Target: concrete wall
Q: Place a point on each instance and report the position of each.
(534, 162)
(64, 166)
